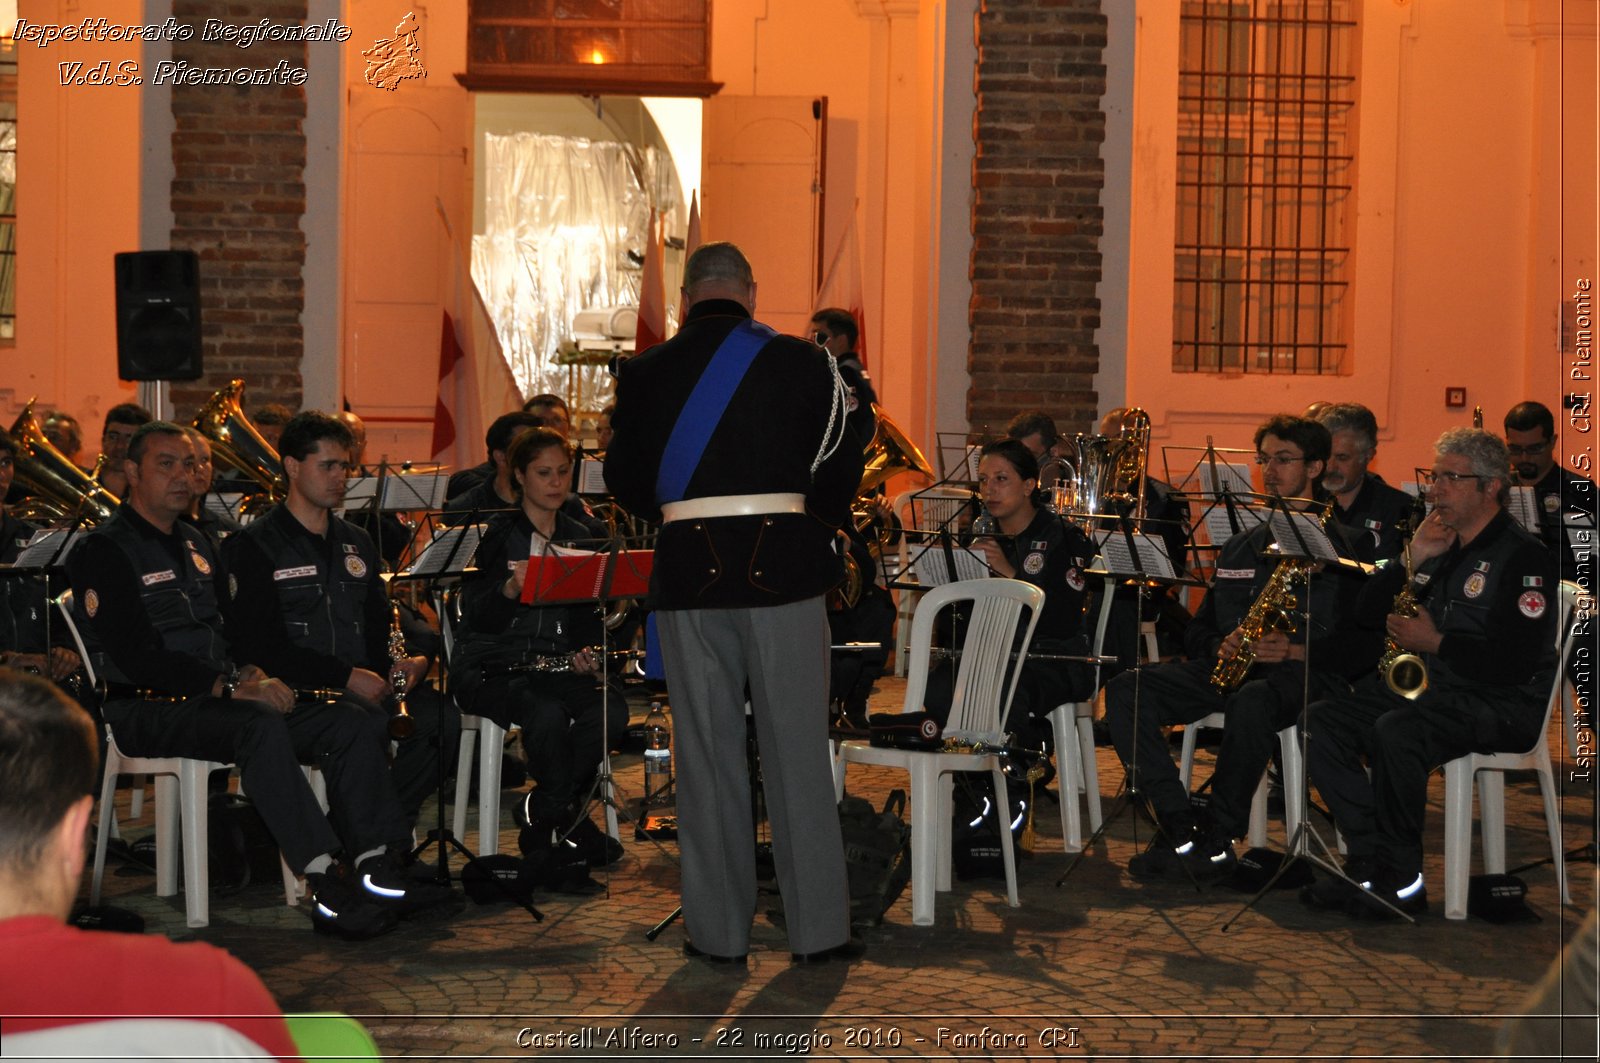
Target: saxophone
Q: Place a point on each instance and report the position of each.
(1404, 672)
(1272, 611)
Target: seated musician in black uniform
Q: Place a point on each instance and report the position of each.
(307, 604)
(1486, 634)
(144, 597)
(497, 490)
(532, 666)
(23, 603)
(1292, 453)
(1021, 539)
(1362, 502)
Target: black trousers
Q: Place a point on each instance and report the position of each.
(415, 765)
(1402, 742)
(349, 746)
(563, 730)
(1181, 692)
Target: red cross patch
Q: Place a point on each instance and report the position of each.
(1531, 604)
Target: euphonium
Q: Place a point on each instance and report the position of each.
(1404, 672)
(889, 452)
(1132, 457)
(57, 488)
(236, 443)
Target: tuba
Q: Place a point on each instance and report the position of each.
(237, 444)
(57, 488)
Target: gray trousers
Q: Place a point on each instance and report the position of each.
(782, 652)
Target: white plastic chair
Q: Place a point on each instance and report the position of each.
(186, 809)
(985, 682)
(1489, 770)
(930, 509)
(490, 739)
(1072, 722)
(1293, 777)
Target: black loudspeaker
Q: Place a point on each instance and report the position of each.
(158, 315)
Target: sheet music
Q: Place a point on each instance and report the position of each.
(456, 545)
(592, 477)
(224, 504)
(402, 492)
(41, 549)
(1152, 555)
(1524, 510)
(1219, 528)
(1235, 478)
(933, 571)
(1310, 531)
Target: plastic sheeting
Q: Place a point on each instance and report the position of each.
(561, 216)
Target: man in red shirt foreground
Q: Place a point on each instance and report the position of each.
(102, 985)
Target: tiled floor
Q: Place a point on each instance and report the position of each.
(1099, 967)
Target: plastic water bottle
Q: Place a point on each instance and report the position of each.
(657, 755)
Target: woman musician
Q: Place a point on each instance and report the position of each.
(1021, 539)
(505, 649)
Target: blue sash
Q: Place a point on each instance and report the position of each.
(704, 409)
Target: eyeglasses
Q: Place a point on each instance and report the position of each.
(1528, 451)
(1280, 460)
(1435, 476)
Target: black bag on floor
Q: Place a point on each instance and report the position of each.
(974, 837)
(877, 855)
(242, 850)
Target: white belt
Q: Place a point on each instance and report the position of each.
(732, 506)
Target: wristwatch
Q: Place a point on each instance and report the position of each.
(230, 683)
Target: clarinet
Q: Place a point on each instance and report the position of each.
(557, 663)
(401, 725)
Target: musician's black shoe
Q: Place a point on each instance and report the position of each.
(711, 958)
(1405, 891)
(386, 882)
(597, 848)
(1333, 892)
(1203, 855)
(339, 907)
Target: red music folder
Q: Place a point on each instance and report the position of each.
(574, 576)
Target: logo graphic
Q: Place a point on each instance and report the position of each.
(392, 61)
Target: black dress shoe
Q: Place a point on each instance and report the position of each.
(710, 957)
(848, 952)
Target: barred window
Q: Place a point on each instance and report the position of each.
(1266, 140)
(8, 189)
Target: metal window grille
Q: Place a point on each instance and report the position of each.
(1266, 134)
(8, 189)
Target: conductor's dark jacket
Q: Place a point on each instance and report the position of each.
(765, 443)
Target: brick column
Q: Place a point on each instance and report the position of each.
(238, 193)
(1036, 217)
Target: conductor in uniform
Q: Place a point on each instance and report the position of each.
(742, 566)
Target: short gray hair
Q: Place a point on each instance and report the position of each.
(1351, 417)
(719, 261)
(1484, 451)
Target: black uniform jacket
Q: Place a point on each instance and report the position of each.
(1381, 514)
(1495, 601)
(146, 603)
(307, 608)
(1339, 642)
(765, 443)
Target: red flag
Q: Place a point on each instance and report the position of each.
(451, 370)
(652, 293)
(842, 286)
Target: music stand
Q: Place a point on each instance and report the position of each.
(1141, 558)
(46, 552)
(450, 554)
(574, 575)
(1301, 538)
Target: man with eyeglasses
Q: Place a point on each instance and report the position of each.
(1564, 499)
(1361, 500)
(1486, 633)
(1292, 453)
